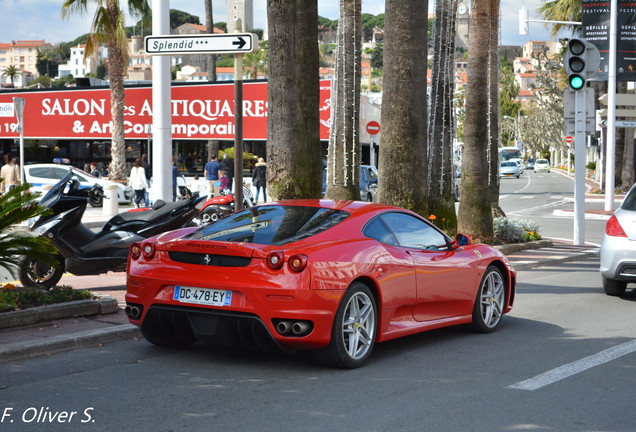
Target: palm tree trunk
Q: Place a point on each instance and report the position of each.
(493, 109)
(293, 122)
(343, 166)
(403, 170)
(475, 217)
(209, 28)
(441, 199)
(117, 169)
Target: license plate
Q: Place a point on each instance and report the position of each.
(203, 296)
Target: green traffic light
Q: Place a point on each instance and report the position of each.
(576, 82)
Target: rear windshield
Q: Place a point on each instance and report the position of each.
(629, 203)
(271, 225)
(507, 164)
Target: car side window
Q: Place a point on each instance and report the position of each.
(376, 229)
(40, 172)
(59, 173)
(415, 233)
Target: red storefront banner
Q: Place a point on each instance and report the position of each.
(199, 111)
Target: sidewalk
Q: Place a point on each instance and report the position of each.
(64, 334)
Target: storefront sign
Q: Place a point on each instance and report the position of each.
(199, 112)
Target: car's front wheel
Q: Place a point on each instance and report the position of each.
(354, 330)
(614, 287)
(35, 273)
(490, 301)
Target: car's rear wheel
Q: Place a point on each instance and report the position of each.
(35, 273)
(490, 301)
(354, 330)
(614, 287)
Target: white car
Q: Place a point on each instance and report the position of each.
(39, 175)
(541, 165)
(618, 247)
(519, 162)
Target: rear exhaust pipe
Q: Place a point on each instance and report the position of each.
(133, 312)
(300, 327)
(284, 327)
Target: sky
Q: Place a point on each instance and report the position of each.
(40, 19)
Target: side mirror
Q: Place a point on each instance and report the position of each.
(463, 240)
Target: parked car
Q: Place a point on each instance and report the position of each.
(368, 183)
(541, 165)
(39, 175)
(509, 169)
(530, 163)
(334, 277)
(618, 247)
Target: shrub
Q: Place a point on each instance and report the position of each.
(513, 230)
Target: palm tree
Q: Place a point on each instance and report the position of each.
(561, 10)
(108, 28)
(11, 72)
(475, 216)
(256, 61)
(209, 28)
(343, 164)
(293, 122)
(402, 169)
(493, 109)
(441, 123)
(18, 205)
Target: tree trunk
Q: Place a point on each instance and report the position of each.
(293, 123)
(403, 170)
(441, 197)
(629, 160)
(493, 110)
(209, 28)
(343, 165)
(117, 170)
(475, 217)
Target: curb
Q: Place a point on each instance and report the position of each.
(102, 306)
(58, 344)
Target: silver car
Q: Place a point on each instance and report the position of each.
(509, 169)
(618, 248)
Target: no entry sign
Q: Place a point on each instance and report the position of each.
(373, 127)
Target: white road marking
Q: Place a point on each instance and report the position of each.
(567, 370)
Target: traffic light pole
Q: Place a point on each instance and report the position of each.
(579, 167)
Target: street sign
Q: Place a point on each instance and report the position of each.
(373, 127)
(6, 110)
(569, 104)
(569, 139)
(228, 43)
(625, 124)
(569, 126)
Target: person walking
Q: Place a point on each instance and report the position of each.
(211, 172)
(137, 181)
(259, 179)
(227, 165)
(146, 166)
(9, 173)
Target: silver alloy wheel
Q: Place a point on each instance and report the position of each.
(358, 325)
(492, 299)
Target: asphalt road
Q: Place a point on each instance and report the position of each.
(546, 198)
(563, 360)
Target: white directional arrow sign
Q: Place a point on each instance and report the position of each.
(229, 43)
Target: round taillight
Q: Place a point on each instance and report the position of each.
(614, 228)
(275, 260)
(135, 251)
(148, 250)
(297, 262)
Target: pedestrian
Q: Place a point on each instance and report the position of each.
(93, 170)
(227, 165)
(223, 181)
(146, 165)
(259, 179)
(175, 174)
(9, 173)
(211, 172)
(137, 181)
(195, 186)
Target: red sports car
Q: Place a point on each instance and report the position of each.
(331, 276)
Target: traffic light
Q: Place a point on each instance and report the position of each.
(581, 61)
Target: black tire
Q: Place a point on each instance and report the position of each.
(490, 302)
(614, 287)
(167, 329)
(36, 274)
(95, 200)
(354, 330)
